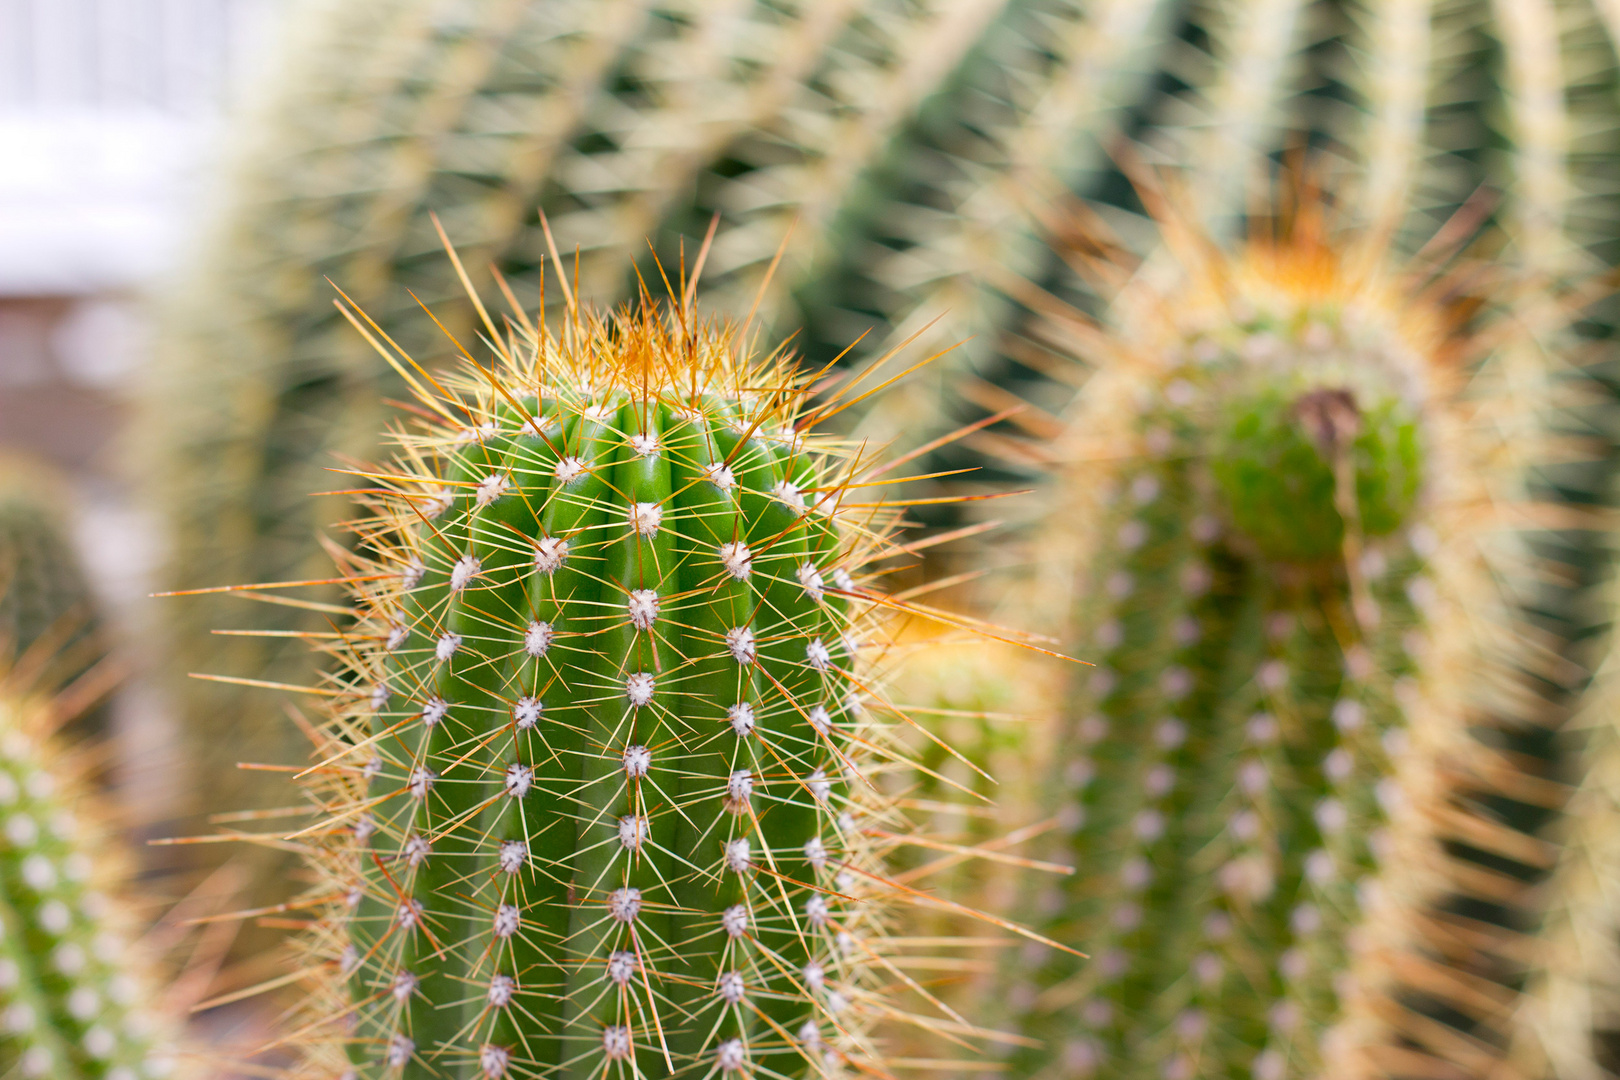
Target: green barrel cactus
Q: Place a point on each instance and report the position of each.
(78, 999)
(1288, 513)
(597, 778)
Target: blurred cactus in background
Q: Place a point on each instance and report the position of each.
(1290, 498)
(78, 996)
(45, 598)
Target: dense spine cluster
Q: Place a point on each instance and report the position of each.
(76, 999)
(598, 785)
(1258, 496)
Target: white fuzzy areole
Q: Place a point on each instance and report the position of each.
(632, 832)
(437, 502)
(639, 689)
(492, 1061)
(816, 910)
(735, 920)
(403, 986)
(741, 717)
(788, 494)
(740, 643)
(637, 761)
(817, 654)
(538, 637)
(815, 853)
(508, 920)
(731, 988)
(819, 785)
(446, 647)
(502, 988)
(519, 779)
(842, 580)
(625, 904)
(730, 1057)
(408, 914)
(491, 487)
(400, 1050)
(739, 791)
(434, 710)
(739, 855)
(644, 518)
(815, 976)
(411, 576)
(421, 782)
(527, 712)
(416, 850)
(720, 475)
(820, 720)
(810, 578)
(397, 633)
(644, 444)
(550, 553)
(616, 1043)
(642, 607)
(737, 559)
(465, 570)
(810, 1036)
(380, 694)
(568, 470)
(622, 967)
(513, 854)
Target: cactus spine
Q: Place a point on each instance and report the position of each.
(598, 786)
(76, 999)
(1283, 507)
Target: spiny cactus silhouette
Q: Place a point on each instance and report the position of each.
(1288, 499)
(78, 999)
(599, 774)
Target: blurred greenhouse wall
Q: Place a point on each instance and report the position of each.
(109, 113)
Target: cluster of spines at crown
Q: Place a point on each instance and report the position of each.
(599, 780)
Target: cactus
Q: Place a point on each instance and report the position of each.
(78, 999)
(597, 778)
(1571, 1013)
(1288, 507)
(620, 120)
(45, 598)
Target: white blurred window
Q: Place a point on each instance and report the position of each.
(106, 112)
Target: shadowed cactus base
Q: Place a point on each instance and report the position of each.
(597, 770)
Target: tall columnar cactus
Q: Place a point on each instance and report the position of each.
(77, 997)
(598, 772)
(1287, 507)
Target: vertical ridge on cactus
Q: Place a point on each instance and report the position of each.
(598, 783)
(1288, 496)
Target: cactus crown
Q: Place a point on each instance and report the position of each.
(598, 775)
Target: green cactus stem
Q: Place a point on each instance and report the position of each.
(78, 999)
(598, 781)
(1295, 526)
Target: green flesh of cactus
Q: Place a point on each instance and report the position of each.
(603, 733)
(73, 1004)
(1221, 792)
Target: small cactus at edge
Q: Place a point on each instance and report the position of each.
(76, 1002)
(598, 778)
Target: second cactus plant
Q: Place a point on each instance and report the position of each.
(1288, 508)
